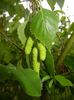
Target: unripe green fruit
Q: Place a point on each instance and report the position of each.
(35, 54)
(36, 64)
(29, 46)
(42, 51)
(37, 67)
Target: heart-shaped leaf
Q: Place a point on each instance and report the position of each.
(44, 26)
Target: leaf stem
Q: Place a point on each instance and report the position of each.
(65, 51)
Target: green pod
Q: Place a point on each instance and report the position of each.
(29, 46)
(42, 51)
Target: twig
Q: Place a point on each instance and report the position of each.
(6, 38)
(65, 51)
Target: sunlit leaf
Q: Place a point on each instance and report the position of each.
(44, 26)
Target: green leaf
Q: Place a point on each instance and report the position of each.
(5, 52)
(71, 27)
(8, 57)
(52, 3)
(13, 26)
(50, 63)
(7, 5)
(69, 62)
(19, 8)
(4, 74)
(63, 81)
(28, 79)
(44, 26)
(71, 52)
(60, 3)
(21, 32)
(50, 83)
(45, 78)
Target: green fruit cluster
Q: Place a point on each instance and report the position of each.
(40, 51)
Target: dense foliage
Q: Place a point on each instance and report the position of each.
(36, 56)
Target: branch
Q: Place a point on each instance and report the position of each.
(6, 38)
(65, 51)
